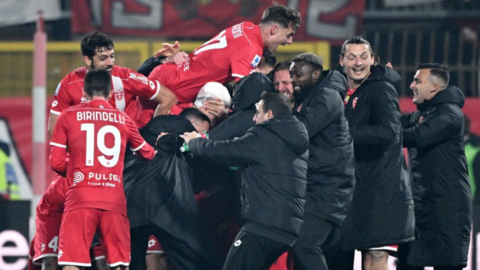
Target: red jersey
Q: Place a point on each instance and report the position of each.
(54, 197)
(126, 86)
(233, 53)
(96, 135)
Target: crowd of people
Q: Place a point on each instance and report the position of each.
(172, 167)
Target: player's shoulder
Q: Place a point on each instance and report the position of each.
(76, 74)
(122, 72)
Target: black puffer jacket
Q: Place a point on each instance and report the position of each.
(443, 203)
(274, 160)
(381, 212)
(331, 164)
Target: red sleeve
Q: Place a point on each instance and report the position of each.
(139, 85)
(62, 99)
(244, 61)
(59, 147)
(137, 143)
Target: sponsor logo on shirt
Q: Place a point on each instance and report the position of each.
(83, 100)
(58, 89)
(237, 243)
(77, 178)
(421, 119)
(54, 103)
(255, 61)
(139, 78)
(43, 247)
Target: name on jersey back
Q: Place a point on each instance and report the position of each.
(100, 116)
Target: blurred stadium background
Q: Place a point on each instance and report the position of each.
(403, 32)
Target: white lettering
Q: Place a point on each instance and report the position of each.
(20, 249)
(237, 31)
(101, 116)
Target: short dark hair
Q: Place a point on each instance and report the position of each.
(355, 40)
(95, 41)
(268, 58)
(285, 65)
(97, 83)
(277, 102)
(438, 70)
(194, 114)
(283, 15)
(311, 59)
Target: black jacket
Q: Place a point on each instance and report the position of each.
(159, 192)
(331, 163)
(381, 212)
(273, 156)
(443, 210)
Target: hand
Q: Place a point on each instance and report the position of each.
(168, 49)
(159, 136)
(178, 58)
(215, 107)
(188, 136)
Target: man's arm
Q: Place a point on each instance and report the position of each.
(59, 148)
(167, 54)
(52, 120)
(385, 115)
(440, 126)
(166, 99)
(137, 143)
(242, 151)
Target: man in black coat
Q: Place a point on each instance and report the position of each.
(331, 167)
(381, 213)
(273, 157)
(160, 199)
(443, 201)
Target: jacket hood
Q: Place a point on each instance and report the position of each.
(334, 80)
(451, 94)
(247, 91)
(381, 73)
(292, 131)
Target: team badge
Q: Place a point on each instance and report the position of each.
(354, 103)
(255, 61)
(118, 94)
(421, 119)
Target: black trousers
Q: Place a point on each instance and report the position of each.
(178, 253)
(317, 237)
(253, 252)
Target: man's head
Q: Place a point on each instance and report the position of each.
(305, 70)
(97, 83)
(428, 81)
(282, 80)
(272, 105)
(212, 91)
(97, 50)
(356, 57)
(279, 24)
(266, 63)
(198, 119)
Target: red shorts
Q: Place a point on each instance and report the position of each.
(153, 245)
(97, 253)
(31, 253)
(46, 237)
(76, 234)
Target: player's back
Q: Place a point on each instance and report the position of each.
(96, 136)
(234, 52)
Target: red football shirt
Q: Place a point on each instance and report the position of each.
(54, 197)
(126, 86)
(233, 53)
(95, 135)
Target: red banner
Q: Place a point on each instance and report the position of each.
(332, 21)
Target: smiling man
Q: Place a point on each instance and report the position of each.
(434, 137)
(381, 213)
